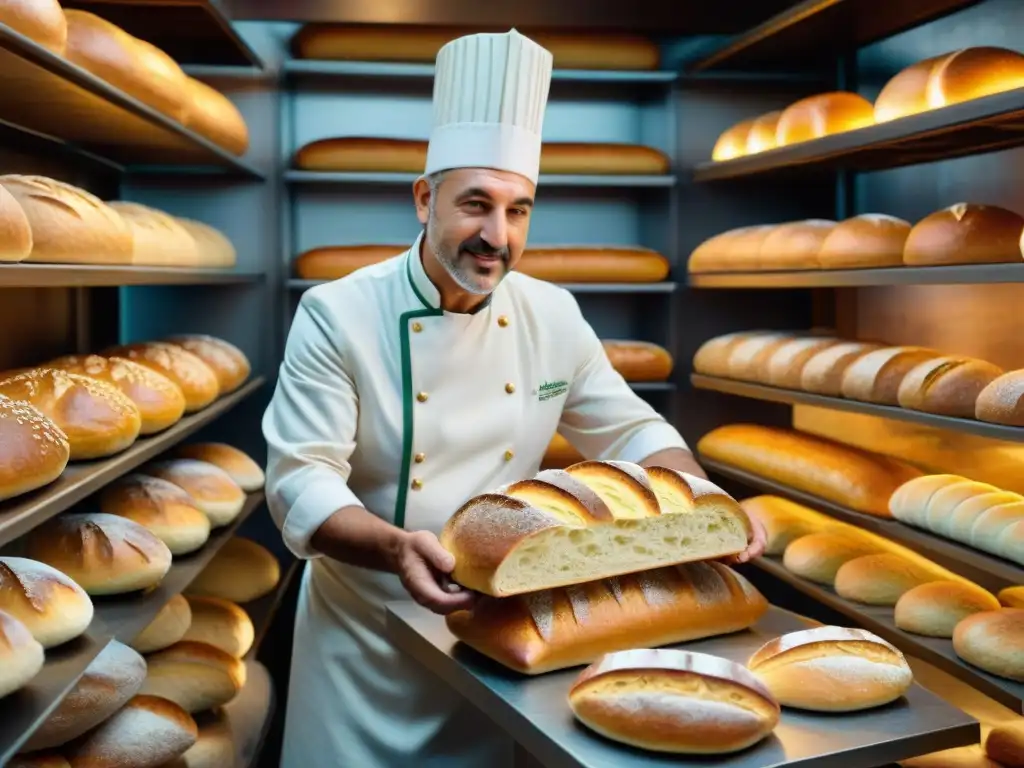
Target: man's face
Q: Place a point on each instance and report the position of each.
(477, 221)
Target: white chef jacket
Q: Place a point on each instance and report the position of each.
(386, 401)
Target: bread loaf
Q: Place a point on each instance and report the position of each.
(241, 571)
(823, 115)
(610, 159)
(993, 641)
(906, 93)
(220, 623)
(42, 21)
(212, 245)
(167, 628)
(712, 357)
(1002, 400)
(948, 385)
(748, 360)
(965, 233)
(162, 507)
(336, 261)
(935, 608)
(1012, 597)
(560, 454)
(127, 63)
(157, 237)
(210, 487)
(51, 605)
(591, 521)
(33, 450)
(110, 680)
(832, 669)
(104, 554)
(868, 240)
(732, 251)
(783, 521)
(69, 225)
(674, 701)
(15, 230)
(211, 114)
(762, 136)
(823, 373)
(838, 473)
(794, 245)
(818, 557)
(146, 733)
(786, 365)
(971, 73)
(21, 655)
(215, 747)
(196, 380)
(882, 578)
(227, 361)
(542, 631)
(246, 473)
(1005, 744)
(639, 360)
(732, 142)
(959, 757)
(875, 377)
(159, 400)
(195, 676)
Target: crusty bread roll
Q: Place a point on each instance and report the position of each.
(211, 114)
(246, 473)
(823, 115)
(794, 245)
(784, 368)
(146, 733)
(42, 21)
(868, 240)
(104, 554)
(832, 669)
(167, 628)
(935, 608)
(195, 676)
(241, 571)
(213, 246)
(1002, 400)
(53, 607)
(906, 93)
(157, 237)
(783, 521)
(196, 380)
(958, 757)
(838, 473)
(823, 373)
(732, 142)
(882, 578)
(34, 451)
(1005, 744)
(38, 760)
(762, 135)
(818, 557)
(21, 655)
(712, 357)
(543, 631)
(993, 641)
(126, 62)
(639, 360)
(110, 680)
(15, 230)
(593, 520)
(674, 701)
(163, 507)
(96, 417)
(947, 385)
(965, 233)
(69, 225)
(220, 623)
(971, 73)
(215, 747)
(1012, 597)
(227, 361)
(875, 377)
(560, 454)
(160, 401)
(210, 487)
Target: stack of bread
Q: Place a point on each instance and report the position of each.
(45, 220)
(940, 81)
(963, 233)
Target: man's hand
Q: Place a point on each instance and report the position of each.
(423, 565)
(755, 547)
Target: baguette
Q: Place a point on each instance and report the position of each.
(948, 386)
(876, 376)
(591, 521)
(837, 473)
(211, 114)
(1002, 400)
(554, 629)
(823, 373)
(639, 360)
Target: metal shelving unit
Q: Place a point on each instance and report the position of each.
(92, 275)
(965, 274)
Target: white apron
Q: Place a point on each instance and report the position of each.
(385, 401)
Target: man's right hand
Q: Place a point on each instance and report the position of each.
(422, 564)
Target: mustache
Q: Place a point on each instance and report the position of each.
(478, 246)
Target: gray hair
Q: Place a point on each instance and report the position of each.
(433, 182)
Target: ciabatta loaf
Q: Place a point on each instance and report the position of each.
(674, 701)
(157, 237)
(593, 520)
(554, 629)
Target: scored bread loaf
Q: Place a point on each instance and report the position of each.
(593, 520)
(53, 607)
(823, 115)
(220, 623)
(674, 701)
(227, 361)
(993, 641)
(965, 233)
(211, 114)
(732, 142)
(935, 608)
(1005, 744)
(34, 451)
(241, 571)
(783, 521)
(948, 385)
(163, 507)
(883, 578)
(542, 631)
(835, 472)
(832, 669)
(211, 489)
(195, 676)
(157, 237)
(867, 240)
(196, 380)
(42, 21)
(167, 628)
(823, 373)
(1002, 400)
(639, 360)
(21, 655)
(212, 245)
(794, 245)
(15, 230)
(875, 377)
(1012, 597)
(246, 473)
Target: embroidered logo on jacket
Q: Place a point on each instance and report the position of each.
(550, 389)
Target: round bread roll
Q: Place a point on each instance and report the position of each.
(98, 420)
(823, 115)
(196, 380)
(906, 93)
(673, 701)
(105, 554)
(227, 361)
(53, 607)
(960, 757)
(819, 556)
(794, 245)
(162, 507)
(241, 571)
(881, 579)
(107, 684)
(38, 760)
(211, 488)
(783, 521)
(33, 450)
(832, 669)
(246, 473)
(160, 402)
(168, 628)
(222, 624)
(732, 143)
(762, 132)
(1012, 597)
(993, 641)
(1005, 744)
(971, 73)
(868, 240)
(935, 608)
(195, 676)
(21, 655)
(146, 733)
(215, 747)
(210, 113)
(965, 233)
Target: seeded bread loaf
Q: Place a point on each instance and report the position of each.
(228, 362)
(34, 451)
(196, 380)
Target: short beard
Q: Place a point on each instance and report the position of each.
(450, 260)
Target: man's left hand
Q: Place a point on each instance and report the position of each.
(755, 547)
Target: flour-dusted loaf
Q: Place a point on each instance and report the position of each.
(542, 631)
(21, 655)
(948, 386)
(53, 607)
(158, 239)
(34, 451)
(823, 373)
(965, 233)
(876, 376)
(241, 571)
(41, 21)
(794, 245)
(1002, 401)
(211, 488)
(15, 230)
(215, 747)
(167, 628)
(832, 669)
(993, 641)
(674, 701)
(212, 115)
(1005, 744)
(241, 468)
(935, 608)
(220, 623)
(593, 520)
(867, 240)
(196, 380)
(213, 246)
(161, 506)
(835, 472)
(195, 676)
(227, 361)
(822, 115)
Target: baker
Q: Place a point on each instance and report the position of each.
(414, 384)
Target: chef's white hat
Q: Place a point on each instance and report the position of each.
(490, 93)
